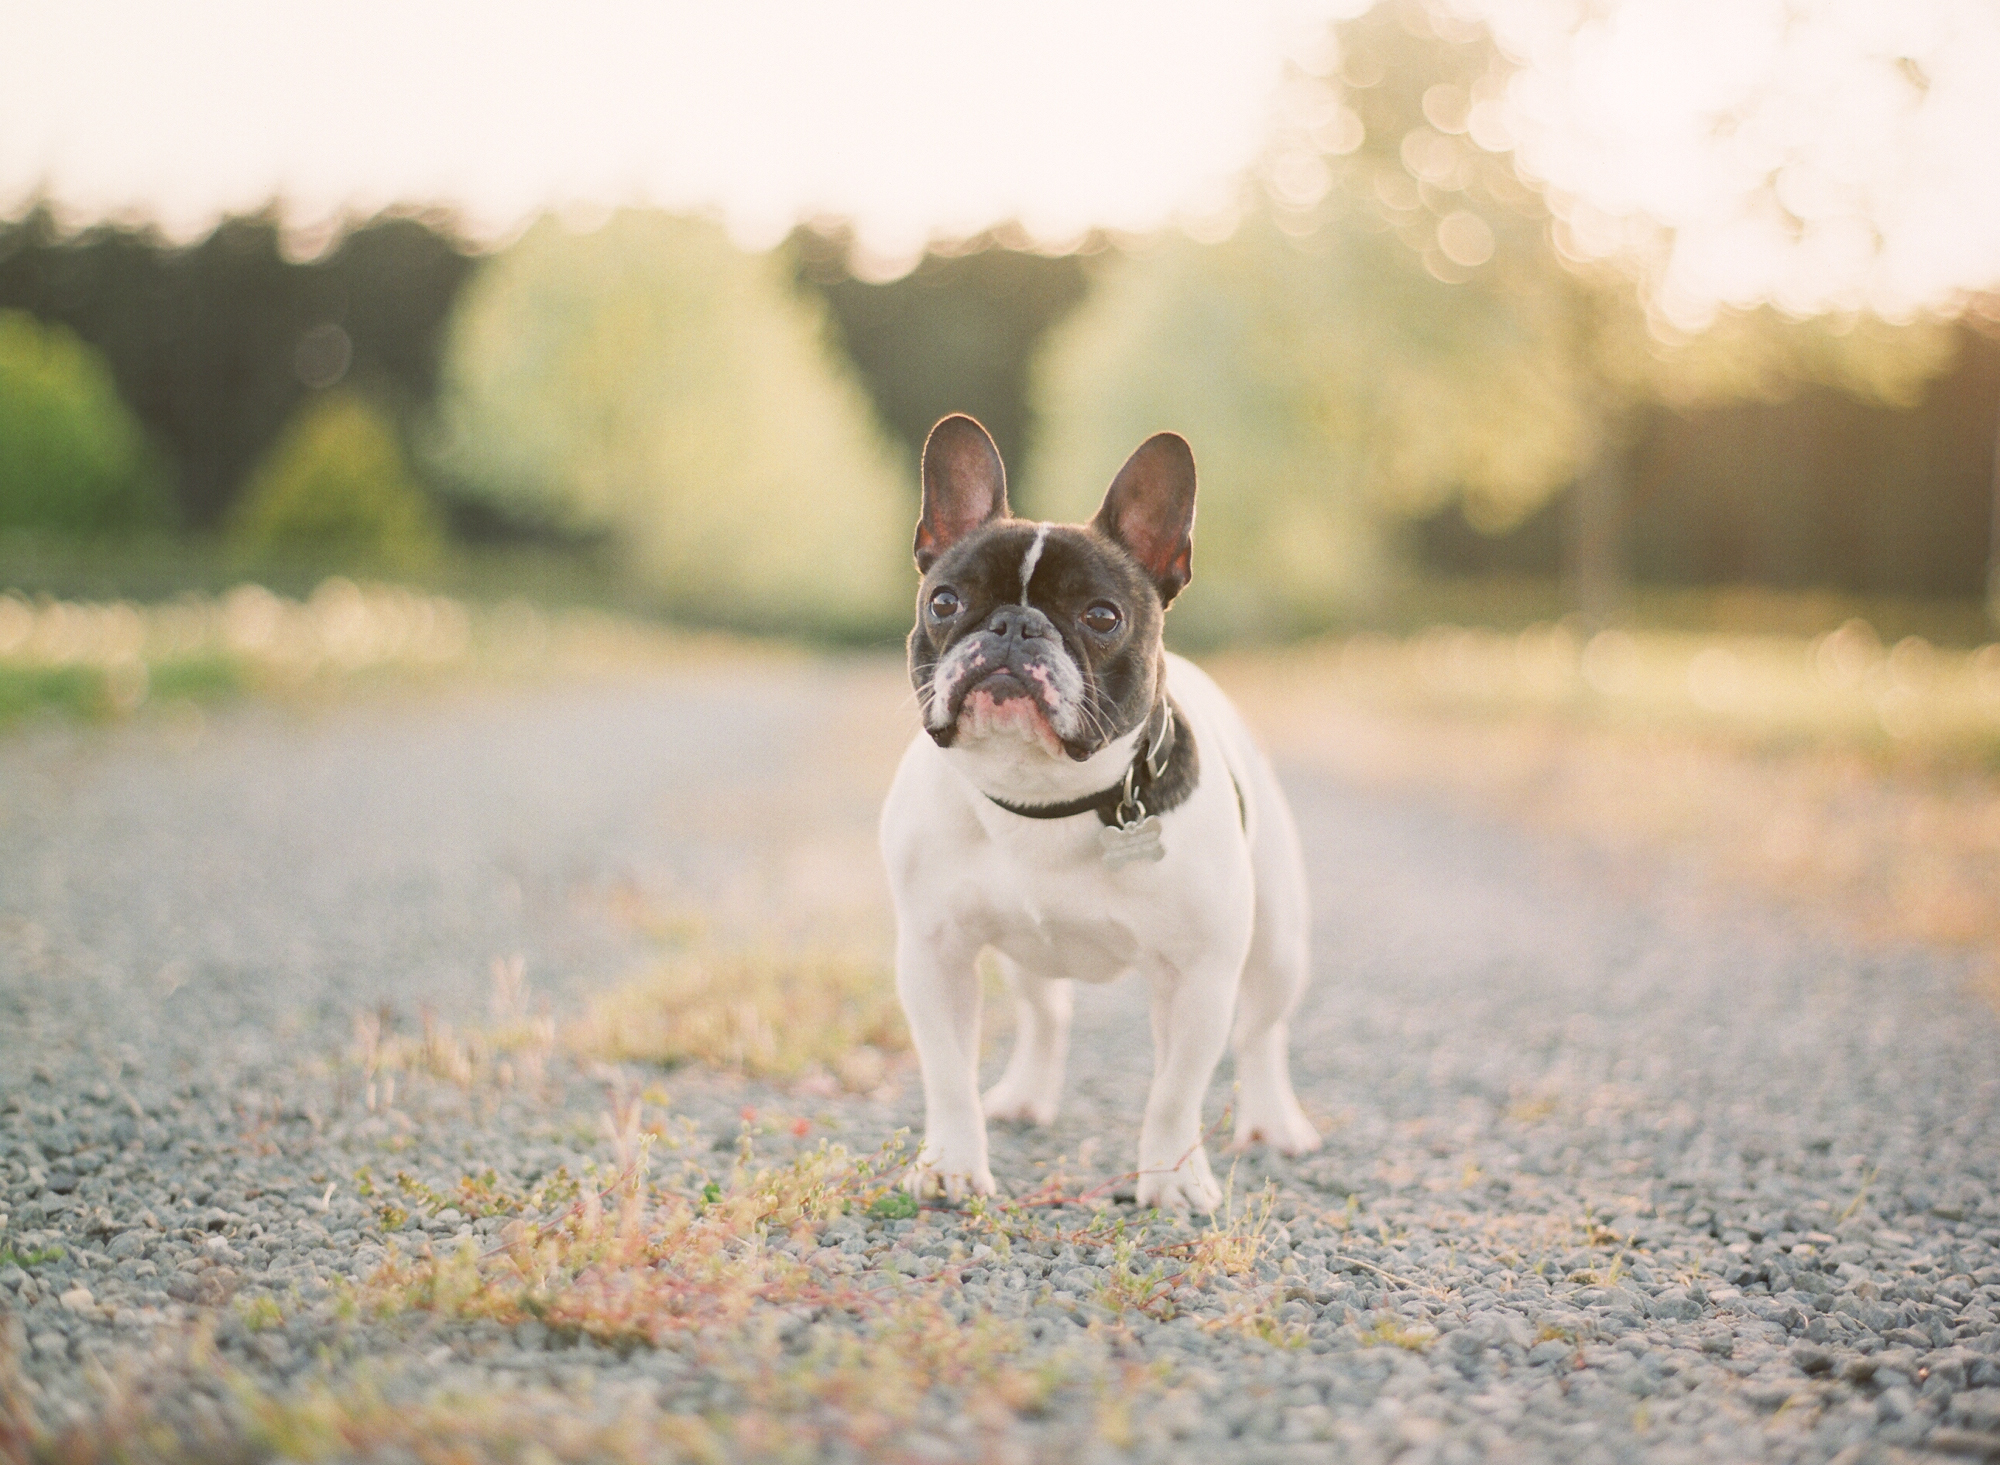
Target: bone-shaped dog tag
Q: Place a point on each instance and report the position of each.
(1125, 844)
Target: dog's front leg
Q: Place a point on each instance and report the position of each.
(1190, 1029)
(940, 992)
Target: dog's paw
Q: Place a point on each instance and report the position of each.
(925, 1180)
(1191, 1187)
(1018, 1104)
(1284, 1128)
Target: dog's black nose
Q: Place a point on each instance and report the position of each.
(1019, 623)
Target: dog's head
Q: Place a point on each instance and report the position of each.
(1048, 632)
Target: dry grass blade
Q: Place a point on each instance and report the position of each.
(767, 1015)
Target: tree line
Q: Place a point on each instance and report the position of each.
(1386, 369)
(215, 344)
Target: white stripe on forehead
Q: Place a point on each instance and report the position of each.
(1032, 558)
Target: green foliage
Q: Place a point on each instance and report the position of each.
(1762, 355)
(1328, 385)
(34, 1257)
(956, 334)
(893, 1205)
(212, 337)
(77, 691)
(199, 678)
(336, 491)
(91, 693)
(651, 381)
(73, 459)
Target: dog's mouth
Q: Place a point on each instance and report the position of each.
(993, 709)
(1011, 701)
(1008, 684)
(1007, 701)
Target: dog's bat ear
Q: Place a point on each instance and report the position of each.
(1150, 511)
(965, 485)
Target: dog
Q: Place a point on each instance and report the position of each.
(1086, 805)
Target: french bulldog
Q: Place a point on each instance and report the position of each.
(1085, 805)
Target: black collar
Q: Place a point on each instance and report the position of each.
(1125, 803)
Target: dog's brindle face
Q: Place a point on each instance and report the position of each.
(1049, 632)
(1044, 629)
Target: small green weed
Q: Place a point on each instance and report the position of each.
(894, 1205)
(9, 1257)
(1132, 1290)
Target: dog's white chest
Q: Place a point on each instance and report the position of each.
(1063, 919)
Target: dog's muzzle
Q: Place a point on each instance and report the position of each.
(1016, 654)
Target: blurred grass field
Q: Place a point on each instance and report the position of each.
(1858, 781)
(100, 660)
(1910, 703)
(1855, 776)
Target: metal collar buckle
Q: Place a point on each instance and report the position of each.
(1131, 808)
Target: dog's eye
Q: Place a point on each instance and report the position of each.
(1102, 617)
(945, 604)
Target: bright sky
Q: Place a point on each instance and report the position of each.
(1811, 153)
(913, 117)
(922, 118)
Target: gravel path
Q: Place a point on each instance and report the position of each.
(1612, 1173)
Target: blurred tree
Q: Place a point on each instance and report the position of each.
(1329, 385)
(1819, 490)
(956, 334)
(652, 380)
(1423, 341)
(72, 457)
(215, 344)
(1384, 333)
(1983, 316)
(1740, 357)
(336, 491)
(1422, 93)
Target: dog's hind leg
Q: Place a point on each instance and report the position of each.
(1190, 1027)
(1274, 978)
(1031, 1087)
(1266, 1107)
